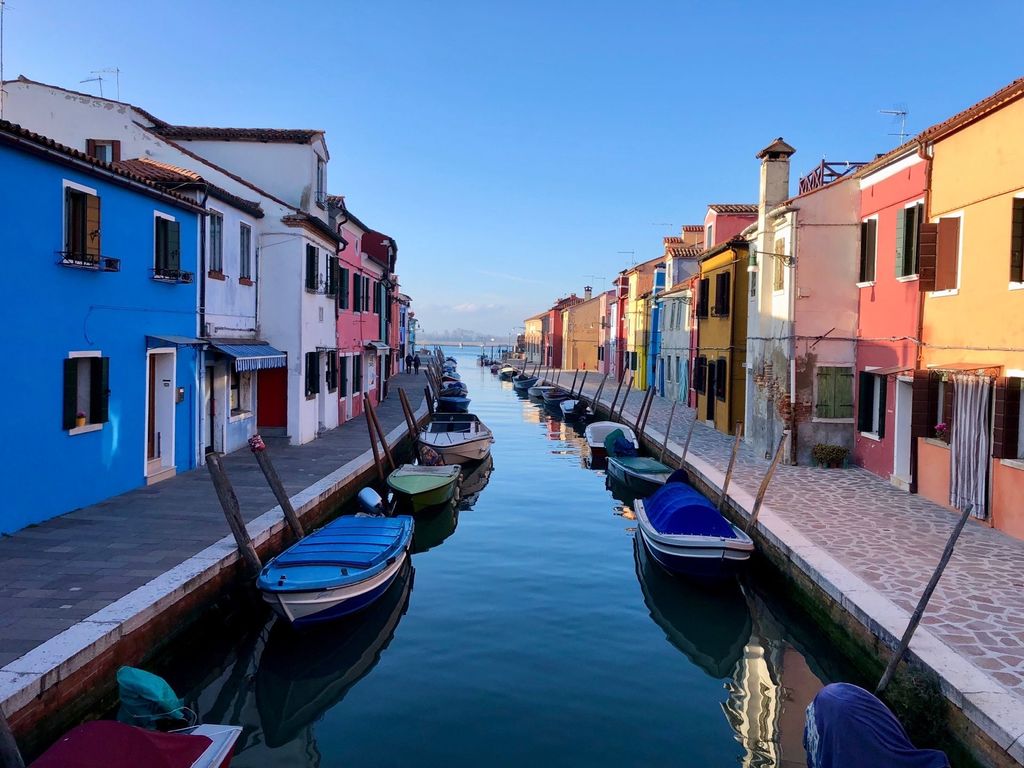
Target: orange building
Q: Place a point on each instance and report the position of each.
(967, 392)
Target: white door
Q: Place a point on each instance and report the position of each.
(901, 445)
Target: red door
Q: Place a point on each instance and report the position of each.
(272, 398)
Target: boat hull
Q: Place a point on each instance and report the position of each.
(640, 484)
(524, 384)
(313, 606)
(463, 452)
(417, 502)
(453, 404)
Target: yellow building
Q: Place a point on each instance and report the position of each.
(639, 280)
(534, 336)
(719, 374)
(581, 328)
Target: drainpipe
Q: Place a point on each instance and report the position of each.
(922, 152)
(792, 341)
(202, 263)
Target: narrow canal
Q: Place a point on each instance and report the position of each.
(530, 631)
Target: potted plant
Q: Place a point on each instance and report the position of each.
(80, 419)
(826, 455)
(820, 455)
(942, 431)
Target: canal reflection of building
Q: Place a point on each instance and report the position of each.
(434, 525)
(474, 481)
(732, 635)
(281, 682)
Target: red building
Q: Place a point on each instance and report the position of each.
(552, 352)
(891, 207)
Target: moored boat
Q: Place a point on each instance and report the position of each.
(641, 474)
(336, 570)
(524, 383)
(538, 390)
(686, 534)
(421, 486)
(454, 389)
(507, 372)
(453, 404)
(458, 437)
(554, 396)
(597, 431)
(573, 408)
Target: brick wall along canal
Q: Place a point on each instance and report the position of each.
(531, 632)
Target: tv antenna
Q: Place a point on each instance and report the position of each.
(901, 115)
(632, 255)
(99, 73)
(598, 277)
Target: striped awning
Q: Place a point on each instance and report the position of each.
(380, 346)
(252, 357)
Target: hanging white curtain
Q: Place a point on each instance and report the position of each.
(969, 454)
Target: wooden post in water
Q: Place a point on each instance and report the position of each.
(232, 512)
(618, 389)
(668, 431)
(915, 619)
(597, 397)
(410, 419)
(579, 395)
(732, 463)
(373, 442)
(558, 375)
(10, 757)
(572, 387)
(686, 445)
(764, 482)
(640, 413)
(625, 397)
(380, 433)
(259, 450)
(430, 400)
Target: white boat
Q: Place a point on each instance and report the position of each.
(539, 390)
(459, 437)
(597, 431)
(573, 408)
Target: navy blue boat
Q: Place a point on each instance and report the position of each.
(456, 389)
(453, 404)
(686, 534)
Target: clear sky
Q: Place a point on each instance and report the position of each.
(514, 149)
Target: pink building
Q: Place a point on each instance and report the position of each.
(725, 221)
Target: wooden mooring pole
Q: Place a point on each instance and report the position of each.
(572, 387)
(430, 400)
(232, 512)
(618, 389)
(373, 442)
(380, 434)
(625, 397)
(668, 431)
(410, 419)
(915, 619)
(640, 414)
(597, 397)
(764, 482)
(686, 445)
(259, 450)
(732, 463)
(583, 381)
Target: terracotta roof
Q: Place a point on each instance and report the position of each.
(376, 244)
(22, 79)
(693, 227)
(301, 219)
(338, 201)
(684, 251)
(735, 243)
(16, 135)
(733, 207)
(271, 135)
(1000, 98)
(165, 173)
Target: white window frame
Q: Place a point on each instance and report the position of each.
(211, 214)
(869, 283)
(85, 354)
(916, 275)
(242, 227)
(959, 254)
(709, 235)
(876, 396)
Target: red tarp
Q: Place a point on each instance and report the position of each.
(109, 744)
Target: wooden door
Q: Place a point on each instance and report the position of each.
(272, 398)
(151, 441)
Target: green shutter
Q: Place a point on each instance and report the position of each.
(357, 293)
(343, 285)
(901, 244)
(99, 390)
(70, 392)
(173, 244)
(344, 377)
(826, 405)
(843, 393)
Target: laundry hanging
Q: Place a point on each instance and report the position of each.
(969, 454)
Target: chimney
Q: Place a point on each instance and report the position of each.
(774, 187)
(588, 293)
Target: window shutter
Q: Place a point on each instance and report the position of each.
(343, 286)
(927, 238)
(865, 401)
(173, 244)
(825, 408)
(99, 390)
(912, 239)
(1017, 241)
(115, 150)
(366, 294)
(92, 226)
(1007, 415)
(901, 244)
(946, 254)
(924, 403)
(947, 407)
(70, 409)
(778, 276)
(721, 371)
(883, 388)
(843, 393)
(90, 147)
(343, 376)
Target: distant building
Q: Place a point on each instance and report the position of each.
(581, 333)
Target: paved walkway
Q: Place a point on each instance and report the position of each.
(890, 539)
(63, 570)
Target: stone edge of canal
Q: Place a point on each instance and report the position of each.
(76, 676)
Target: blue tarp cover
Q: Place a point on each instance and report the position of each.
(847, 726)
(679, 509)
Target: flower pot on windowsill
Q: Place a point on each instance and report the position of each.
(80, 421)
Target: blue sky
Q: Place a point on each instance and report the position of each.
(515, 149)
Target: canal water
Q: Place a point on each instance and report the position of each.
(530, 629)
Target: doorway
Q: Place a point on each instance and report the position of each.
(901, 431)
(160, 388)
(710, 389)
(272, 400)
(211, 409)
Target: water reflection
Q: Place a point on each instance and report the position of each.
(474, 481)
(434, 526)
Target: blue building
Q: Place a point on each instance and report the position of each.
(101, 310)
(655, 369)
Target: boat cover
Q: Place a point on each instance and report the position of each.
(676, 509)
(617, 444)
(643, 465)
(354, 542)
(146, 698)
(109, 744)
(846, 725)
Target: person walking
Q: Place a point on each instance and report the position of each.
(416, 364)
(408, 362)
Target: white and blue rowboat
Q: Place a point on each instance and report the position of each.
(686, 534)
(538, 390)
(460, 438)
(597, 431)
(337, 570)
(572, 409)
(524, 382)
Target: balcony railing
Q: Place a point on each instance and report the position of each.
(166, 275)
(826, 173)
(88, 261)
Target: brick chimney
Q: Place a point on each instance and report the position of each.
(588, 293)
(774, 187)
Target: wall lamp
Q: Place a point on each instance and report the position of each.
(752, 259)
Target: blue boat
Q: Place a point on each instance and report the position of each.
(454, 389)
(686, 534)
(453, 404)
(337, 570)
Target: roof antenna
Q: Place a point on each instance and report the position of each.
(109, 71)
(97, 79)
(902, 115)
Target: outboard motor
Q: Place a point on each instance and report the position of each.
(370, 502)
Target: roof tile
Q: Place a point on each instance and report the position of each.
(206, 133)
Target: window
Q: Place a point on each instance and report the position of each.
(722, 294)
(868, 244)
(703, 288)
(908, 237)
(104, 150)
(244, 252)
(1017, 241)
(167, 256)
(312, 373)
(709, 236)
(81, 226)
(331, 285)
(700, 374)
(947, 254)
(343, 286)
(312, 269)
(871, 404)
(216, 243)
(86, 390)
(835, 393)
(721, 371)
(357, 292)
(332, 371)
(1008, 424)
(321, 182)
(779, 266)
(343, 376)
(376, 297)
(667, 368)
(236, 392)
(366, 294)
(357, 374)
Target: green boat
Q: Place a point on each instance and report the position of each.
(424, 486)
